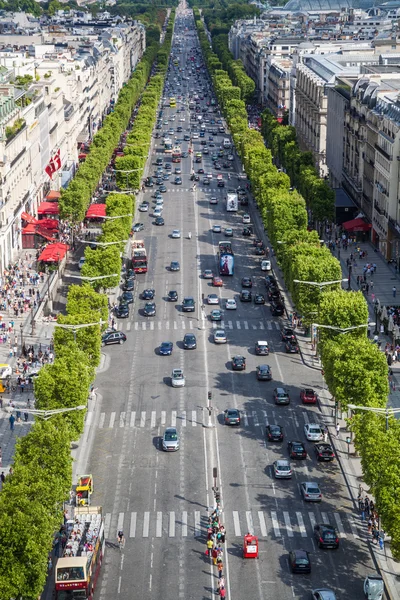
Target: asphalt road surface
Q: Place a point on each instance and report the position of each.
(162, 500)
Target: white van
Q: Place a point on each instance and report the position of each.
(227, 143)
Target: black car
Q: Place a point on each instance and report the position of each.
(189, 341)
(270, 281)
(129, 285)
(174, 266)
(274, 433)
(259, 299)
(326, 536)
(291, 347)
(130, 274)
(201, 171)
(264, 373)
(288, 333)
(188, 304)
(127, 297)
(138, 227)
(259, 251)
(277, 309)
(149, 309)
(159, 221)
(238, 363)
(231, 416)
(113, 337)
(297, 450)
(172, 296)
(149, 182)
(245, 296)
(148, 294)
(274, 294)
(299, 561)
(324, 452)
(247, 282)
(221, 183)
(247, 231)
(165, 348)
(122, 311)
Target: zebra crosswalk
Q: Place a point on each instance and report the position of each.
(151, 325)
(265, 524)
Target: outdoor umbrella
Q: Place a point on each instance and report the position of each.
(391, 323)
(384, 313)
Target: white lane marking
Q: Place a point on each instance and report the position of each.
(262, 325)
(133, 418)
(288, 523)
(153, 419)
(136, 326)
(249, 521)
(173, 418)
(269, 325)
(167, 325)
(184, 523)
(143, 418)
(144, 326)
(263, 525)
(265, 418)
(102, 419)
(122, 419)
(275, 523)
(159, 524)
(230, 326)
(246, 325)
(163, 417)
(146, 524)
(183, 325)
(184, 423)
(325, 518)
(171, 531)
(339, 525)
(238, 324)
(107, 523)
(112, 420)
(128, 326)
(175, 325)
(159, 325)
(152, 325)
(300, 521)
(312, 518)
(353, 527)
(255, 418)
(194, 418)
(245, 418)
(197, 527)
(236, 523)
(132, 529)
(120, 526)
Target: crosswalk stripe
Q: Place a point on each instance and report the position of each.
(265, 418)
(133, 418)
(222, 324)
(214, 325)
(107, 523)
(146, 524)
(313, 521)
(173, 418)
(167, 325)
(236, 523)
(275, 523)
(184, 523)
(325, 518)
(246, 420)
(151, 325)
(136, 326)
(353, 527)
(277, 326)
(132, 528)
(197, 527)
(159, 524)
(163, 417)
(153, 419)
(184, 418)
(246, 325)
(122, 419)
(143, 418)
(255, 418)
(112, 420)
(263, 526)
(102, 419)
(144, 325)
(339, 525)
(269, 324)
(238, 325)
(254, 326)
(288, 523)
(159, 325)
(249, 521)
(300, 521)
(262, 325)
(171, 531)
(175, 325)
(183, 325)
(305, 416)
(190, 324)
(230, 325)
(120, 526)
(194, 418)
(128, 326)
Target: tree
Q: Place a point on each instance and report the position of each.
(101, 262)
(342, 309)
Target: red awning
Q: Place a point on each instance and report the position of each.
(29, 229)
(48, 208)
(28, 218)
(357, 225)
(53, 252)
(95, 211)
(48, 223)
(53, 196)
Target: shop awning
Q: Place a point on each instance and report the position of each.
(53, 252)
(357, 225)
(48, 208)
(96, 211)
(29, 229)
(49, 223)
(53, 196)
(28, 218)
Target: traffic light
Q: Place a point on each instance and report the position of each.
(209, 395)
(217, 496)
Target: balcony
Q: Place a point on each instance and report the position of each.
(380, 210)
(383, 152)
(394, 225)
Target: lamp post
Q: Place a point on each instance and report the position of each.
(376, 309)
(385, 412)
(47, 414)
(103, 243)
(75, 328)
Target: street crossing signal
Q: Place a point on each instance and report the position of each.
(209, 395)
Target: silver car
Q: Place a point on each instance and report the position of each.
(220, 336)
(310, 491)
(176, 233)
(177, 378)
(282, 469)
(170, 442)
(212, 299)
(313, 432)
(323, 594)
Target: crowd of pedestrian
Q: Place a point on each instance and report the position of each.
(369, 515)
(216, 537)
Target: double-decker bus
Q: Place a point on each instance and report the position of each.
(168, 146)
(226, 259)
(172, 102)
(176, 154)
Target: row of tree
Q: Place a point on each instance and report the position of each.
(356, 371)
(32, 497)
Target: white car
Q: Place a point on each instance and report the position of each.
(282, 469)
(313, 432)
(216, 229)
(208, 274)
(230, 304)
(212, 299)
(213, 200)
(81, 262)
(177, 378)
(195, 136)
(265, 265)
(157, 211)
(246, 219)
(220, 336)
(143, 207)
(176, 233)
(159, 203)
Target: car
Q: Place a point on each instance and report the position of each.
(172, 296)
(213, 200)
(170, 441)
(313, 432)
(297, 450)
(162, 189)
(246, 219)
(81, 262)
(149, 182)
(143, 207)
(212, 299)
(299, 561)
(277, 308)
(157, 212)
(265, 265)
(274, 433)
(122, 311)
(207, 274)
(174, 265)
(264, 373)
(188, 304)
(113, 337)
(228, 232)
(178, 171)
(166, 348)
(159, 221)
(189, 341)
(291, 347)
(129, 285)
(282, 469)
(323, 594)
(230, 304)
(259, 251)
(159, 180)
(219, 336)
(324, 452)
(185, 154)
(246, 296)
(287, 333)
(148, 294)
(176, 234)
(270, 281)
(137, 227)
(281, 396)
(127, 297)
(259, 299)
(310, 491)
(247, 231)
(217, 282)
(177, 378)
(159, 161)
(216, 315)
(238, 363)
(216, 229)
(156, 196)
(149, 309)
(326, 536)
(261, 348)
(165, 177)
(274, 295)
(247, 282)
(231, 416)
(221, 183)
(308, 396)
(178, 180)
(200, 171)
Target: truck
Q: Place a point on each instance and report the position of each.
(139, 257)
(226, 259)
(232, 202)
(77, 571)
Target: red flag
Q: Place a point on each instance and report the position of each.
(50, 169)
(57, 160)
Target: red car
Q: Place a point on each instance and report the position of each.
(308, 396)
(217, 282)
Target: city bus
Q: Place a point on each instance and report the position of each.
(176, 155)
(172, 102)
(168, 146)
(226, 259)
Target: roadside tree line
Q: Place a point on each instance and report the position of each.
(356, 371)
(31, 501)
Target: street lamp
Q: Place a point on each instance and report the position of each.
(47, 414)
(320, 284)
(117, 217)
(386, 412)
(93, 278)
(343, 329)
(103, 243)
(74, 328)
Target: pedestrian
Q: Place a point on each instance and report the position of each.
(1, 457)
(26, 417)
(12, 421)
(2, 477)
(214, 555)
(220, 568)
(337, 429)
(394, 291)
(210, 545)
(362, 509)
(222, 592)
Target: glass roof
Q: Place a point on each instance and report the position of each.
(315, 5)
